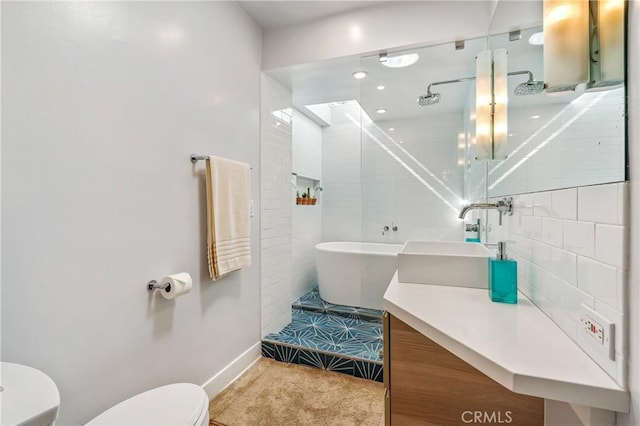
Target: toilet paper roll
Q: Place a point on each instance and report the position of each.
(179, 284)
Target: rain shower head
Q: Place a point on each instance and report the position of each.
(428, 99)
(433, 98)
(529, 87)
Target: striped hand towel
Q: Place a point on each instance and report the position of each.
(228, 236)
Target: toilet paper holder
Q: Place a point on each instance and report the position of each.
(153, 284)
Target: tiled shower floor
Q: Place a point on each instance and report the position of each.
(313, 302)
(331, 337)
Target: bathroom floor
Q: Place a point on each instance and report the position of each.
(332, 337)
(276, 393)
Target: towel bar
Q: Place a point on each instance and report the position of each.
(195, 158)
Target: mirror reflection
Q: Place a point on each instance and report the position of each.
(555, 140)
(398, 136)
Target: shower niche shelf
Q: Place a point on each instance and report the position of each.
(305, 185)
(300, 201)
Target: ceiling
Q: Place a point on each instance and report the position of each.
(273, 15)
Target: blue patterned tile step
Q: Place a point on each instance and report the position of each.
(324, 361)
(330, 342)
(352, 337)
(312, 301)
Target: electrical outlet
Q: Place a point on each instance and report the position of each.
(593, 329)
(601, 330)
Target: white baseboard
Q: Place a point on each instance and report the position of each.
(231, 372)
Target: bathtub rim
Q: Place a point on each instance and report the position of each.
(341, 248)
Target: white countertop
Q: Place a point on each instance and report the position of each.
(516, 345)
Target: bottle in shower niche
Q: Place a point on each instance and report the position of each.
(503, 277)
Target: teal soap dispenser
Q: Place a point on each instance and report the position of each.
(503, 277)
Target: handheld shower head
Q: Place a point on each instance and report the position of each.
(428, 99)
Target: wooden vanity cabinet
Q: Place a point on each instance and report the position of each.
(428, 385)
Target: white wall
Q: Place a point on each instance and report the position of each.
(341, 175)
(0, 189)
(409, 178)
(633, 303)
(307, 147)
(275, 146)
(571, 249)
(384, 26)
(307, 219)
(102, 105)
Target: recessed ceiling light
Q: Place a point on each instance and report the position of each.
(536, 39)
(359, 75)
(400, 141)
(381, 111)
(535, 117)
(401, 61)
(381, 87)
(391, 129)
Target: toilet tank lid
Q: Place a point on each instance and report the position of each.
(176, 404)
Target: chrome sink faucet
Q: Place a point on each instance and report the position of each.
(504, 206)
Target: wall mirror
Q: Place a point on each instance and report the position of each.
(383, 159)
(413, 155)
(555, 140)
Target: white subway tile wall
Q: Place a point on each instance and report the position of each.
(611, 245)
(579, 237)
(564, 204)
(341, 176)
(307, 220)
(566, 144)
(564, 264)
(571, 249)
(307, 146)
(409, 178)
(552, 231)
(593, 207)
(276, 205)
(542, 204)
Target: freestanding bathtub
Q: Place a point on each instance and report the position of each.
(355, 274)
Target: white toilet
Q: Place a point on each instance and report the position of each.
(178, 404)
(29, 397)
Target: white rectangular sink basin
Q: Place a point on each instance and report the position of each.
(444, 263)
